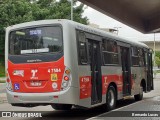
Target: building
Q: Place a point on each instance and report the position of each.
(111, 30)
(151, 44)
(115, 31)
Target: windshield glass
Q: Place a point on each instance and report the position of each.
(35, 40)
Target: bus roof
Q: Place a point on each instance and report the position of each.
(80, 27)
(107, 34)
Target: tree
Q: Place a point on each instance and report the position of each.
(157, 53)
(13, 12)
(157, 58)
(19, 11)
(62, 10)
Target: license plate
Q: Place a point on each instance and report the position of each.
(36, 83)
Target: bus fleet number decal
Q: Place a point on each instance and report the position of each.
(54, 70)
(85, 79)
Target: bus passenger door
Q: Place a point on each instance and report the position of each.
(95, 63)
(126, 70)
(149, 68)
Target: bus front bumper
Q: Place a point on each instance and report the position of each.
(69, 96)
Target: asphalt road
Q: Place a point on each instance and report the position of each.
(80, 114)
(75, 114)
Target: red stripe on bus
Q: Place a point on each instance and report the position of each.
(86, 86)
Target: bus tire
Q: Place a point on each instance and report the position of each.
(111, 98)
(61, 106)
(139, 96)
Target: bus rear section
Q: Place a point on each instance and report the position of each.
(36, 73)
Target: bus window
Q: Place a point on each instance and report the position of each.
(141, 57)
(110, 46)
(135, 57)
(82, 48)
(110, 52)
(36, 40)
(138, 57)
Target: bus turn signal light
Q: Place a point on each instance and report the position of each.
(67, 72)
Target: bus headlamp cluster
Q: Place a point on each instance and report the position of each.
(66, 79)
(64, 84)
(9, 84)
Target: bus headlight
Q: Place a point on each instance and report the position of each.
(66, 79)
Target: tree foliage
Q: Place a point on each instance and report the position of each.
(157, 58)
(158, 61)
(157, 53)
(19, 11)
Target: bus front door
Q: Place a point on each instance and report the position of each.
(95, 63)
(126, 70)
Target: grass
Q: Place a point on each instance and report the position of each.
(2, 69)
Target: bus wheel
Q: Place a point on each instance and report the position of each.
(111, 98)
(61, 106)
(139, 96)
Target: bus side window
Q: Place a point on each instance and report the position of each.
(135, 56)
(82, 48)
(141, 57)
(138, 57)
(110, 52)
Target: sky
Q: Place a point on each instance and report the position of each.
(105, 21)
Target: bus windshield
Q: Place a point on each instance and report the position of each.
(35, 40)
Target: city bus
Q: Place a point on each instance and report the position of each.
(66, 64)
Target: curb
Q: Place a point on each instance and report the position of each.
(3, 101)
(3, 79)
(3, 98)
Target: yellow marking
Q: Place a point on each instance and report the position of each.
(127, 97)
(54, 77)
